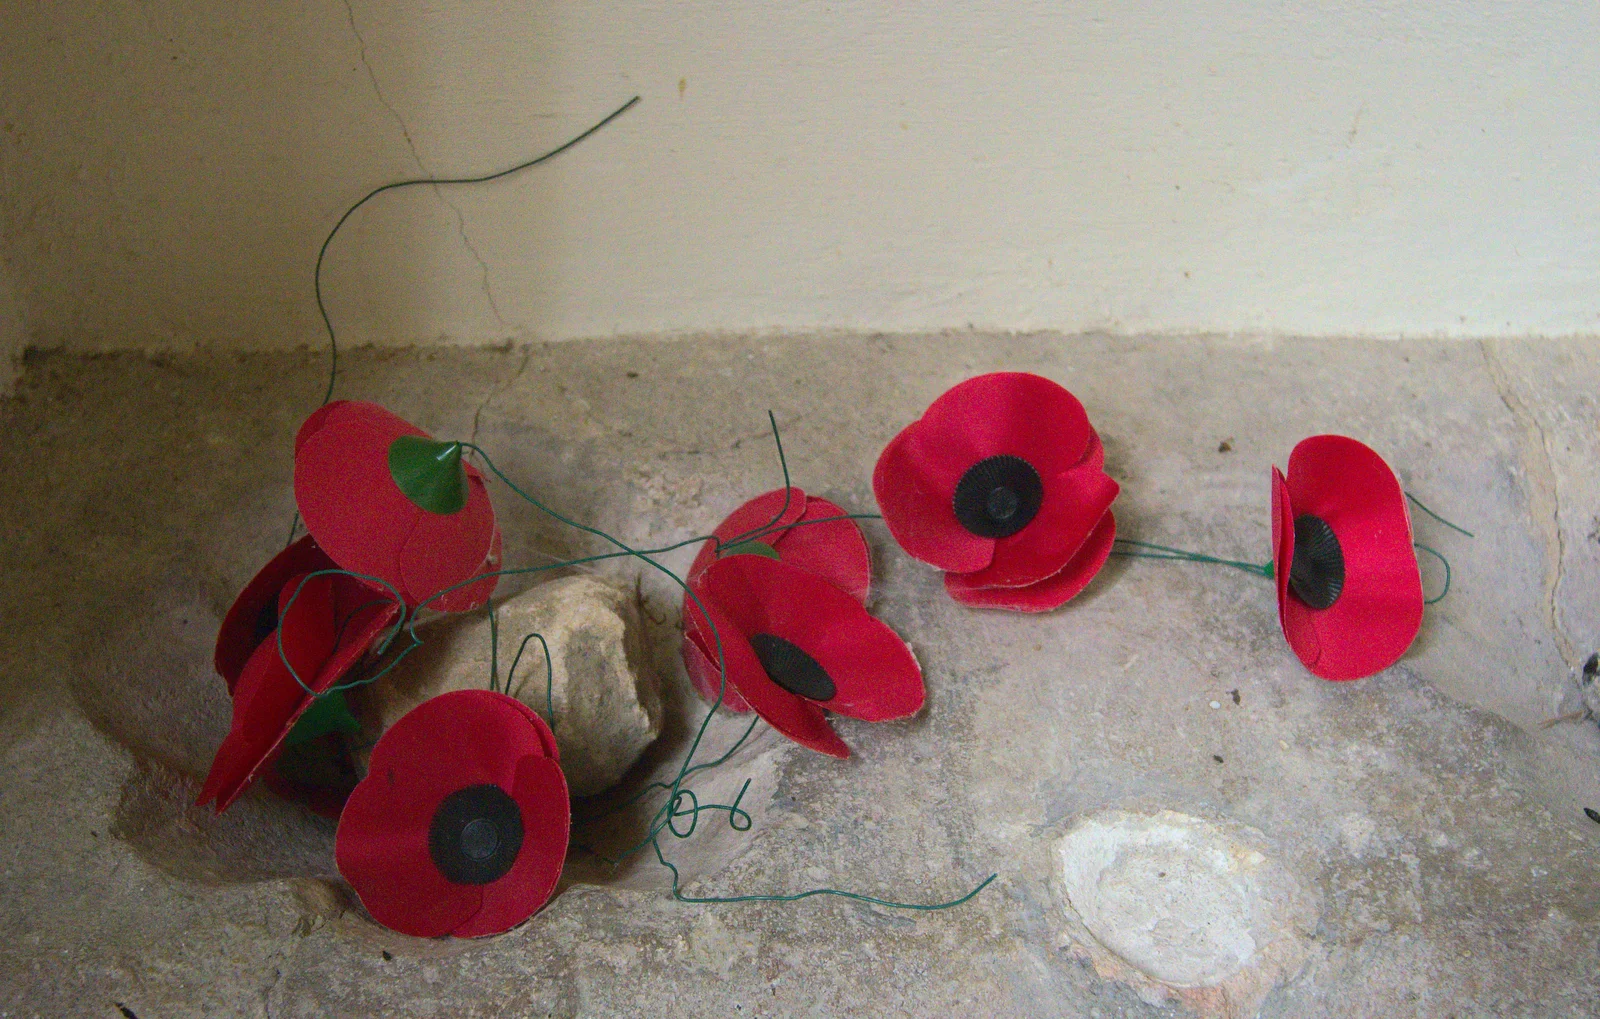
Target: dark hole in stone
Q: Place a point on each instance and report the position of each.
(1217, 758)
(1317, 574)
(791, 668)
(998, 497)
(475, 835)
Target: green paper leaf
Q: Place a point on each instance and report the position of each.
(750, 548)
(329, 713)
(430, 473)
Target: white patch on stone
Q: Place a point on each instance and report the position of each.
(1181, 907)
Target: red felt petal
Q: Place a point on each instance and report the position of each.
(315, 420)
(476, 594)
(797, 718)
(918, 507)
(382, 849)
(1379, 612)
(347, 496)
(547, 738)
(267, 698)
(540, 790)
(834, 551)
(1299, 629)
(764, 509)
(236, 638)
(1050, 593)
(1095, 455)
(1074, 504)
(442, 550)
(701, 666)
(875, 676)
(458, 739)
(1006, 413)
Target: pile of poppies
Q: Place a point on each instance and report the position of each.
(460, 825)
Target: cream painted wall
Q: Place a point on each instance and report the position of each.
(169, 167)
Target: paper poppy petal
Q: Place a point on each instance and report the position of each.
(1074, 504)
(237, 637)
(547, 737)
(314, 422)
(267, 698)
(1298, 627)
(487, 733)
(1007, 413)
(1050, 593)
(1379, 612)
(1095, 455)
(381, 848)
(834, 550)
(919, 509)
(766, 508)
(875, 676)
(540, 790)
(795, 717)
(701, 666)
(347, 496)
(478, 593)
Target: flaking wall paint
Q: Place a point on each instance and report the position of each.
(168, 169)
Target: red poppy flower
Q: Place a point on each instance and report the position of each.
(461, 825)
(797, 646)
(833, 550)
(385, 499)
(1001, 483)
(1349, 590)
(324, 630)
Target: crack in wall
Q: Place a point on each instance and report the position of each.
(495, 392)
(1544, 500)
(416, 157)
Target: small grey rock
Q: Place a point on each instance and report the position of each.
(607, 704)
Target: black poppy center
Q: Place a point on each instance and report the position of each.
(791, 668)
(1317, 574)
(475, 835)
(998, 497)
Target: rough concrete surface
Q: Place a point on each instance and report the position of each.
(1429, 832)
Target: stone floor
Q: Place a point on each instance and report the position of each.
(1182, 819)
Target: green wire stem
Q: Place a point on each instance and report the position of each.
(549, 674)
(1454, 527)
(1168, 552)
(1439, 556)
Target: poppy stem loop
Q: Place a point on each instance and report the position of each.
(1439, 556)
(693, 813)
(549, 675)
